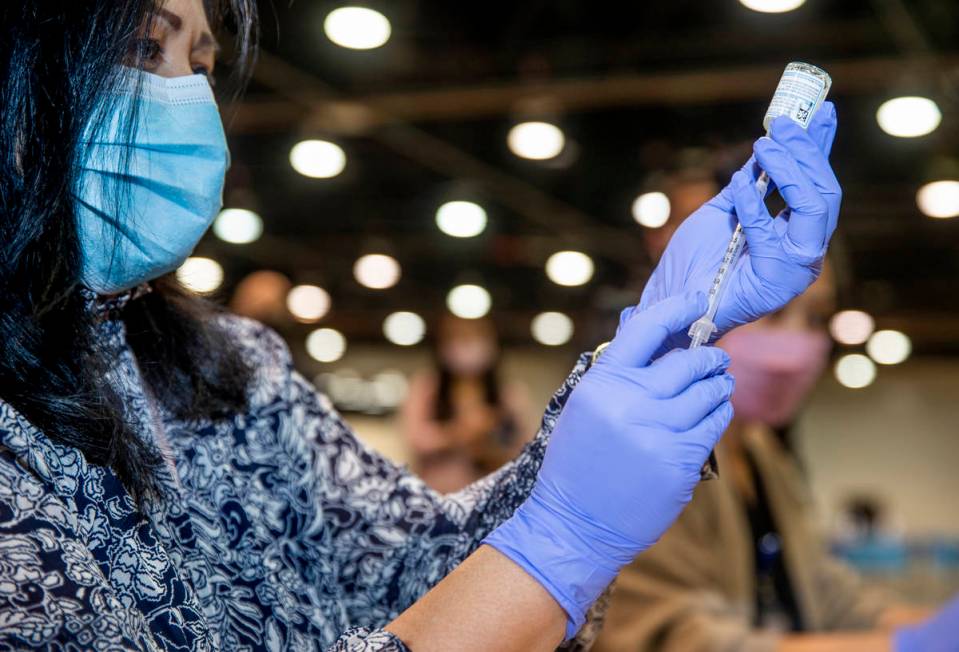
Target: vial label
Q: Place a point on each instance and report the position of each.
(798, 96)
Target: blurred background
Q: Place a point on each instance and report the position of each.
(522, 164)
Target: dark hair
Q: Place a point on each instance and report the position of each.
(444, 403)
(58, 60)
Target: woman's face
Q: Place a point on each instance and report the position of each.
(180, 41)
(467, 347)
(777, 360)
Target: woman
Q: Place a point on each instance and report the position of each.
(460, 421)
(168, 482)
(743, 567)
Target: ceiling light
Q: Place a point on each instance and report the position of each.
(939, 199)
(569, 268)
(651, 209)
(772, 6)
(552, 328)
(889, 347)
(404, 328)
(536, 140)
(469, 301)
(203, 275)
(308, 303)
(855, 371)
(851, 327)
(326, 345)
(909, 117)
(377, 271)
(357, 28)
(461, 219)
(318, 159)
(238, 226)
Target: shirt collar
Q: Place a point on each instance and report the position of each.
(108, 307)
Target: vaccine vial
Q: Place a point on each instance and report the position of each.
(800, 93)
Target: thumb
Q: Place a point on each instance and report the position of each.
(646, 332)
(822, 129)
(751, 211)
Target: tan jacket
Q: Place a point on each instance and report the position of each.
(694, 591)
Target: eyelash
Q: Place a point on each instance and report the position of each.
(149, 51)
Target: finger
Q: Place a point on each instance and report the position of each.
(645, 332)
(822, 129)
(624, 317)
(814, 164)
(751, 211)
(709, 431)
(699, 400)
(807, 153)
(724, 200)
(677, 370)
(809, 212)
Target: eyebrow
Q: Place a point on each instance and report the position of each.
(206, 40)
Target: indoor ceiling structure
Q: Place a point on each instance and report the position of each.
(424, 119)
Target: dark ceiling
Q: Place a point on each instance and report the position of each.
(425, 117)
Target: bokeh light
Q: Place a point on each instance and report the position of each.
(772, 6)
(855, 371)
(909, 117)
(939, 199)
(238, 226)
(651, 209)
(203, 275)
(552, 328)
(318, 159)
(389, 388)
(326, 345)
(357, 28)
(851, 327)
(538, 141)
(308, 303)
(889, 347)
(461, 219)
(404, 328)
(377, 271)
(469, 301)
(570, 268)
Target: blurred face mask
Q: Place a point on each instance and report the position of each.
(468, 357)
(775, 369)
(145, 197)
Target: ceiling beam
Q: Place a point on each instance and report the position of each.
(334, 113)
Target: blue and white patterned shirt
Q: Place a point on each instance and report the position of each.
(276, 529)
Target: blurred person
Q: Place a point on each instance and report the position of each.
(168, 481)
(459, 420)
(262, 296)
(743, 567)
(687, 188)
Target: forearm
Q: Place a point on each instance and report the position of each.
(487, 603)
(873, 641)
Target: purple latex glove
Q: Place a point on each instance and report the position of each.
(782, 256)
(623, 459)
(938, 634)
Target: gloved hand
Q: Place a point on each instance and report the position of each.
(623, 459)
(782, 256)
(938, 634)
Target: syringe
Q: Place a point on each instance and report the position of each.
(704, 327)
(801, 91)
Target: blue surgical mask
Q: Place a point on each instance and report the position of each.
(147, 194)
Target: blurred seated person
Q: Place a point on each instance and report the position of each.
(743, 568)
(459, 420)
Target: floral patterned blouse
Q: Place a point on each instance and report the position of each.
(276, 529)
